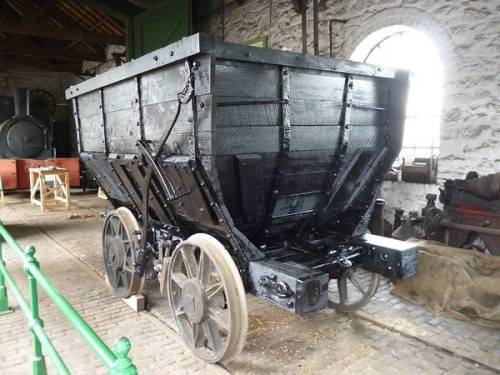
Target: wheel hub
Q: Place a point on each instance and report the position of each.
(194, 301)
(116, 253)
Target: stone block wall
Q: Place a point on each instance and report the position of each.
(466, 34)
(53, 82)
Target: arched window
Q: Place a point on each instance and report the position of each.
(407, 48)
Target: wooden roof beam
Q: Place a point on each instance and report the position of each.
(45, 31)
(39, 65)
(51, 53)
(115, 8)
(42, 11)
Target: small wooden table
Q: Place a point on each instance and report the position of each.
(52, 186)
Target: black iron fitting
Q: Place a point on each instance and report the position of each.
(280, 288)
(328, 255)
(187, 92)
(151, 157)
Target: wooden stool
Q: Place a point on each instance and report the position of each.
(53, 185)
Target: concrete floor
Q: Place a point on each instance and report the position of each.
(388, 336)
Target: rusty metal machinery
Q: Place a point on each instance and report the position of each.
(235, 169)
(471, 214)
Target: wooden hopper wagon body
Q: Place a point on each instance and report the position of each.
(235, 169)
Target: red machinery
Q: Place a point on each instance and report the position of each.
(15, 172)
(26, 140)
(471, 215)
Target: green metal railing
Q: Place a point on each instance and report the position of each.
(115, 360)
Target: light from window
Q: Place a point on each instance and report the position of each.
(406, 48)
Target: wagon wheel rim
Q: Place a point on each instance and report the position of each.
(43, 99)
(354, 289)
(119, 243)
(207, 299)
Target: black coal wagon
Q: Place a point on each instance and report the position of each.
(234, 169)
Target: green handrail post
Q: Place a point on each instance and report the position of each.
(4, 300)
(123, 365)
(115, 360)
(39, 366)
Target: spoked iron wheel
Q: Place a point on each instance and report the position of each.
(354, 289)
(207, 298)
(43, 100)
(119, 244)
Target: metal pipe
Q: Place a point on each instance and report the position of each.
(222, 21)
(315, 27)
(21, 102)
(331, 33)
(303, 9)
(445, 222)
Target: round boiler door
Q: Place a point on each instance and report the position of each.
(25, 139)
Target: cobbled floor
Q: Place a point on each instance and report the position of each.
(388, 336)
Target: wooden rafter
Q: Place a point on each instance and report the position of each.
(52, 53)
(44, 10)
(45, 31)
(59, 35)
(40, 64)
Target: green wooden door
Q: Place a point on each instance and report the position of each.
(160, 25)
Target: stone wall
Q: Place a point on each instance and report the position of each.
(53, 82)
(95, 68)
(466, 34)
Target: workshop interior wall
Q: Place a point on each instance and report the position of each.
(465, 34)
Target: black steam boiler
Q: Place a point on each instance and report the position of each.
(23, 135)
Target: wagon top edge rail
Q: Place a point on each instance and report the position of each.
(202, 43)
